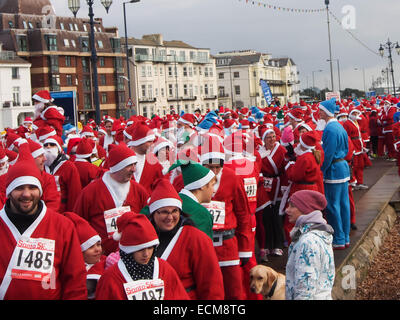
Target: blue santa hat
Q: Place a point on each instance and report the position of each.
(211, 115)
(329, 106)
(254, 110)
(207, 123)
(259, 115)
(181, 113)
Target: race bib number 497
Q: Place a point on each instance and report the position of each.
(145, 290)
(34, 259)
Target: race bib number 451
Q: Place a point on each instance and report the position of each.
(145, 290)
(34, 259)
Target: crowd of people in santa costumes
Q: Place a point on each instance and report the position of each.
(186, 204)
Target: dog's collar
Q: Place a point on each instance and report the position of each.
(272, 291)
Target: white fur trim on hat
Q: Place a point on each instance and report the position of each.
(266, 132)
(162, 145)
(20, 181)
(293, 117)
(39, 98)
(51, 133)
(124, 163)
(212, 155)
(37, 153)
(127, 135)
(51, 140)
(305, 145)
(186, 122)
(167, 202)
(326, 110)
(83, 156)
(90, 242)
(148, 138)
(131, 249)
(201, 182)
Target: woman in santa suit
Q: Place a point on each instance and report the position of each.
(180, 244)
(304, 173)
(139, 274)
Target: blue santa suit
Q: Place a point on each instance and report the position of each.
(336, 176)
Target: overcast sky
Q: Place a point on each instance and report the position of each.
(225, 25)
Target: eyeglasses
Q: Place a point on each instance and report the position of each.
(165, 213)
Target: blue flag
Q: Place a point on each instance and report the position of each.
(266, 90)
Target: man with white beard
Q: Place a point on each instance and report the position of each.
(65, 173)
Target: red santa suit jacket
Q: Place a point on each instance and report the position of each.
(148, 170)
(96, 198)
(111, 284)
(273, 170)
(386, 119)
(51, 196)
(65, 257)
(200, 273)
(230, 191)
(87, 171)
(68, 183)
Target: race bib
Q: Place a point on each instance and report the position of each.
(145, 290)
(217, 210)
(34, 259)
(250, 185)
(268, 184)
(111, 216)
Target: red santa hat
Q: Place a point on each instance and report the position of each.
(24, 171)
(12, 156)
(188, 119)
(72, 144)
(266, 131)
(212, 148)
(43, 96)
(13, 140)
(85, 148)
(164, 195)
(43, 133)
(244, 111)
(141, 133)
(56, 140)
(161, 143)
(28, 120)
(245, 124)
(135, 232)
(36, 148)
(86, 234)
(308, 140)
(87, 131)
(296, 114)
(230, 124)
(119, 157)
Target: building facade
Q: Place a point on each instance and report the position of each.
(171, 76)
(239, 74)
(60, 53)
(15, 90)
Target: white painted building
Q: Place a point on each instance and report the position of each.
(239, 74)
(171, 76)
(15, 90)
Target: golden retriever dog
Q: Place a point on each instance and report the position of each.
(266, 281)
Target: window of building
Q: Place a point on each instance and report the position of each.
(51, 41)
(25, 24)
(87, 101)
(103, 79)
(62, 26)
(68, 78)
(220, 75)
(221, 91)
(143, 71)
(162, 92)
(85, 44)
(149, 71)
(169, 71)
(161, 71)
(55, 82)
(68, 61)
(191, 90)
(85, 28)
(73, 43)
(120, 83)
(115, 44)
(86, 83)
(119, 65)
(66, 43)
(185, 90)
(22, 43)
(206, 71)
(211, 90)
(16, 96)
(143, 90)
(30, 25)
(76, 27)
(150, 91)
(155, 71)
(53, 63)
(206, 89)
(237, 90)
(85, 64)
(71, 27)
(100, 44)
(236, 74)
(190, 71)
(104, 98)
(170, 90)
(10, 24)
(144, 111)
(102, 62)
(185, 73)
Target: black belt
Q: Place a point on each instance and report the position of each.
(225, 234)
(354, 138)
(191, 288)
(305, 182)
(337, 160)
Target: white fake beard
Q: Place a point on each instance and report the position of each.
(321, 124)
(38, 109)
(51, 155)
(354, 117)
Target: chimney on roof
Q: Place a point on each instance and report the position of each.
(157, 38)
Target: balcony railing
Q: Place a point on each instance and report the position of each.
(169, 59)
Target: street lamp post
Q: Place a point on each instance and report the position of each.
(385, 73)
(330, 46)
(390, 45)
(127, 47)
(338, 67)
(74, 6)
(313, 81)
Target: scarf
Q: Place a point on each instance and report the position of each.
(317, 223)
(136, 270)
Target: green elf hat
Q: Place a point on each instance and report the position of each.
(194, 174)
